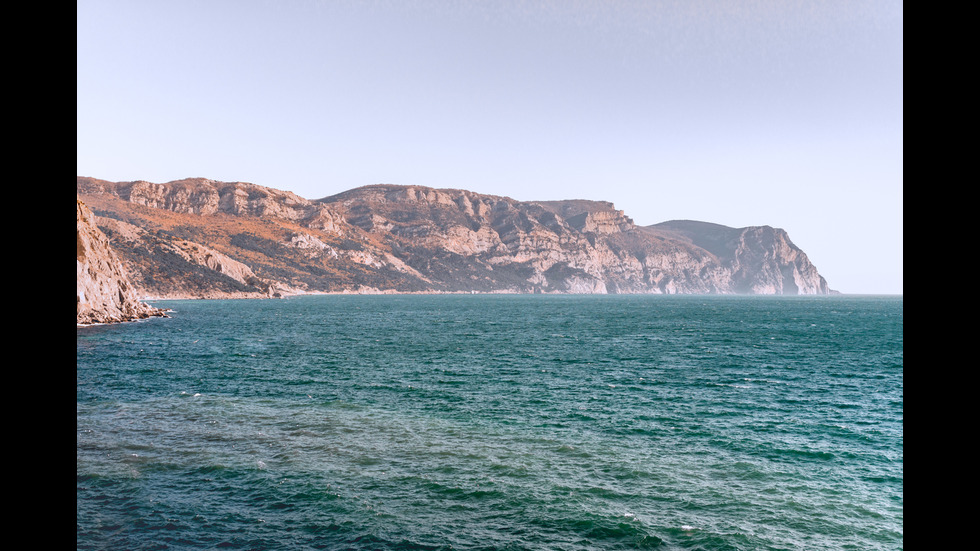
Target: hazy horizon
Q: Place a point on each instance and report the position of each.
(741, 113)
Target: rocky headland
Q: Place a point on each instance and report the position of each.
(104, 293)
(200, 238)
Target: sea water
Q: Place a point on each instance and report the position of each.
(502, 422)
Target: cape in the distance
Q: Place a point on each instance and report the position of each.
(200, 238)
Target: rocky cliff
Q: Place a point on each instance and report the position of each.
(104, 293)
(200, 237)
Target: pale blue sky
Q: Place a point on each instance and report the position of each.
(786, 113)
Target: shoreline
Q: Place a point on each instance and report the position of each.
(284, 296)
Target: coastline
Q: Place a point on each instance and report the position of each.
(282, 296)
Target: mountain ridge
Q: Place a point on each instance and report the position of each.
(411, 239)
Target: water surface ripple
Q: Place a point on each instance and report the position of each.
(495, 423)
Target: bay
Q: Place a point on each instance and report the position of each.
(495, 422)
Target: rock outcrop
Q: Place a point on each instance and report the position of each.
(245, 240)
(761, 260)
(207, 197)
(104, 293)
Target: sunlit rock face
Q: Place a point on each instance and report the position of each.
(388, 238)
(103, 293)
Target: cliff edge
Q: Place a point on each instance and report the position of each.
(103, 292)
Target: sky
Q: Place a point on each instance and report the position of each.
(742, 112)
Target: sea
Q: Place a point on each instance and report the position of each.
(495, 422)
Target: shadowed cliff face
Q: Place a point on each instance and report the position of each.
(388, 238)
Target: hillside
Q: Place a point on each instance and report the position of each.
(209, 239)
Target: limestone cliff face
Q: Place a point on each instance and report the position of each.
(472, 242)
(206, 197)
(767, 262)
(104, 293)
(469, 241)
(417, 239)
(758, 259)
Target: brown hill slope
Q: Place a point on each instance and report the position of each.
(256, 241)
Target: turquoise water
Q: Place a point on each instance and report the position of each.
(495, 423)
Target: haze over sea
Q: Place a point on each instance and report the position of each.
(500, 422)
